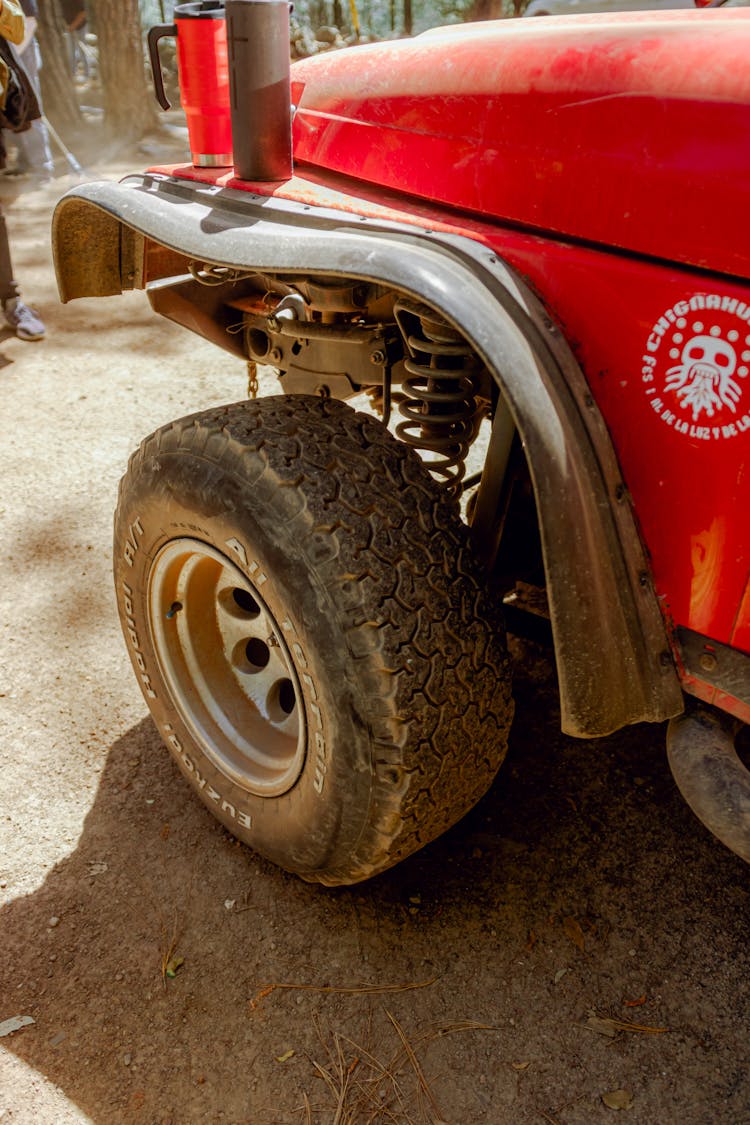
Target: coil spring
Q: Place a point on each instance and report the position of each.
(439, 404)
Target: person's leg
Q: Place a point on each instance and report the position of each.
(34, 150)
(25, 322)
(8, 287)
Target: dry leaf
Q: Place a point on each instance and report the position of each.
(560, 974)
(520, 1066)
(285, 1057)
(601, 1025)
(635, 1003)
(618, 1099)
(574, 932)
(173, 966)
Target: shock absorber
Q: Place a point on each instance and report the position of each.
(439, 401)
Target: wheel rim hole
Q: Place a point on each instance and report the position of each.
(282, 701)
(245, 601)
(287, 698)
(257, 654)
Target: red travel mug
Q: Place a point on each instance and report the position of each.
(203, 68)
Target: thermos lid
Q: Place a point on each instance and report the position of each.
(200, 10)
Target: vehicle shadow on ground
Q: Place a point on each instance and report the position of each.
(579, 882)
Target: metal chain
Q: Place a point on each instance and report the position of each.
(252, 379)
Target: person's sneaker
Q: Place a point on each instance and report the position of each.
(24, 320)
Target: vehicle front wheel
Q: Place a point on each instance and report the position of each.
(304, 620)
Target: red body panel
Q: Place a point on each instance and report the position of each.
(630, 130)
(665, 347)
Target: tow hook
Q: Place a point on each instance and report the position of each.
(710, 775)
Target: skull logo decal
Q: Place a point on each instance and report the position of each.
(695, 367)
(703, 379)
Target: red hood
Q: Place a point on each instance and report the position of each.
(630, 130)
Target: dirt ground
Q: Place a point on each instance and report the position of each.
(467, 986)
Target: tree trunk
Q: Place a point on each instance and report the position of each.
(408, 19)
(58, 92)
(493, 9)
(128, 101)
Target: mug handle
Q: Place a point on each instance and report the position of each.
(154, 35)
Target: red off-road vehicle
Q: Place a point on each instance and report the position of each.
(520, 244)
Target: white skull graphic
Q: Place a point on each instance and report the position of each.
(703, 379)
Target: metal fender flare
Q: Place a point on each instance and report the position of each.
(610, 639)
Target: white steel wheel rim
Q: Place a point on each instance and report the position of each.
(227, 667)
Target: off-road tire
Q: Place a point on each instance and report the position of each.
(396, 652)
